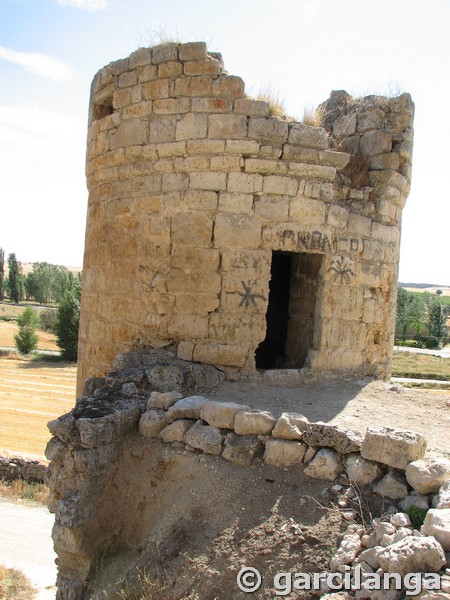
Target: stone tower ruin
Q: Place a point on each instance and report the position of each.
(241, 239)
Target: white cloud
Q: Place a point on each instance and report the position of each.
(41, 64)
(91, 5)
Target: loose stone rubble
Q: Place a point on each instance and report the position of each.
(87, 443)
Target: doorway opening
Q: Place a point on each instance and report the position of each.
(291, 311)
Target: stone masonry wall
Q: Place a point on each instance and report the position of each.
(193, 185)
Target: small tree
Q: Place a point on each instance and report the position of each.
(2, 273)
(67, 323)
(14, 272)
(438, 314)
(26, 340)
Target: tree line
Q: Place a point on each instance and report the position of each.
(422, 313)
(46, 284)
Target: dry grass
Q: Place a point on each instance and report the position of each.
(420, 366)
(357, 171)
(272, 97)
(314, 117)
(18, 489)
(31, 394)
(8, 329)
(14, 585)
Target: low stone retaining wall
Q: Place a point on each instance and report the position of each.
(16, 467)
(140, 399)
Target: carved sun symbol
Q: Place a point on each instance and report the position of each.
(248, 298)
(342, 269)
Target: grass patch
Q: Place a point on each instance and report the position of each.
(18, 489)
(14, 585)
(314, 117)
(48, 358)
(272, 97)
(420, 366)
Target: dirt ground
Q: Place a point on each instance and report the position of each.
(355, 404)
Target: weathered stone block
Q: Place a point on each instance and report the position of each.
(273, 208)
(167, 70)
(307, 171)
(193, 228)
(307, 210)
(234, 230)
(280, 185)
(228, 85)
(221, 414)
(96, 432)
(307, 136)
(187, 408)
(427, 475)
(343, 440)
(185, 325)
(192, 51)
(208, 181)
(174, 432)
(223, 126)
(290, 426)
(241, 449)
(159, 88)
(191, 86)
(245, 183)
(164, 53)
(268, 130)
(162, 129)
(283, 453)
(204, 437)
(209, 66)
(413, 555)
(262, 165)
(129, 133)
(393, 447)
(375, 142)
(393, 485)
(437, 524)
(360, 470)
(163, 400)
(229, 355)
(251, 108)
(212, 105)
(326, 464)
(254, 422)
(192, 126)
(442, 499)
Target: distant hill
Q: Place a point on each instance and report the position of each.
(421, 286)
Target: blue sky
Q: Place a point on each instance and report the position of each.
(51, 49)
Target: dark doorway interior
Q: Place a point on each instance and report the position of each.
(291, 312)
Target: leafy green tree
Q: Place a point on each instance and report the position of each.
(438, 314)
(68, 321)
(47, 283)
(14, 276)
(26, 339)
(2, 273)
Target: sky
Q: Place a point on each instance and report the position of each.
(50, 51)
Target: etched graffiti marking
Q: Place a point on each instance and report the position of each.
(342, 269)
(308, 240)
(248, 297)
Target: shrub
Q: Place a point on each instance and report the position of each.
(431, 342)
(26, 340)
(417, 515)
(67, 324)
(47, 319)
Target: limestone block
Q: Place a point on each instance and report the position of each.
(400, 520)
(388, 160)
(208, 181)
(152, 422)
(337, 216)
(228, 85)
(192, 126)
(437, 524)
(192, 51)
(348, 549)
(326, 464)
(63, 427)
(205, 146)
(389, 178)
(245, 183)
(159, 88)
(204, 437)
(393, 447)
(128, 79)
(280, 185)
(241, 449)
(174, 432)
(268, 130)
(229, 355)
(261, 165)
(246, 263)
(343, 440)
(254, 422)
(162, 129)
(307, 136)
(307, 210)
(186, 408)
(163, 400)
(68, 538)
(212, 105)
(290, 426)
(237, 230)
(94, 460)
(331, 158)
(393, 485)
(414, 500)
(193, 228)
(164, 53)
(307, 171)
(359, 224)
(370, 119)
(191, 163)
(283, 377)
(226, 163)
(283, 453)
(53, 448)
(360, 470)
(442, 500)
(191, 86)
(209, 66)
(412, 555)
(96, 432)
(221, 414)
(375, 142)
(194, 326)
(227, 126)
(174, 182)
(185, 256)
(427, 475)
(272, 207)
(251, 108)
(148, 73)
(249, 147)
(139, 58)
(170, 69)
(129, 133)
(345, 126)
(196, 282)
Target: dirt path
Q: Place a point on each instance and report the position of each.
(355, 404)
(25, 544)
